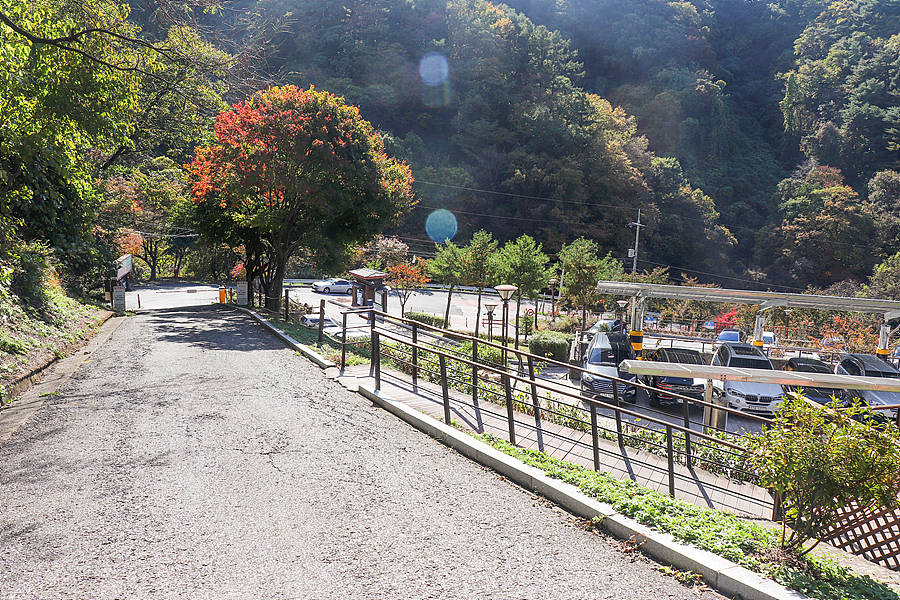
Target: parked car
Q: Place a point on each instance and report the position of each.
(816, 394)
(770, 340)
(745, 395)
(867, 365)
(606, 324)
(338, 286)
(686, 386)
(729, 335)
(604, 355)
(329, 326)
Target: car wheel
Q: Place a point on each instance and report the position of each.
(327, 290)
(654, 399)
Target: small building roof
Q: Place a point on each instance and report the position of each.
(368, 274)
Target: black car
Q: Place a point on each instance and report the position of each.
(677, 385)
(816, 394)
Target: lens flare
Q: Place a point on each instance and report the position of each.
(441, 226)
(434, 69)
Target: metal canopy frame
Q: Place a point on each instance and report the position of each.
(794, 378)
(889, 308)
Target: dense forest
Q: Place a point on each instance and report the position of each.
(758, 144)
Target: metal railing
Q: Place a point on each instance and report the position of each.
(423, 351)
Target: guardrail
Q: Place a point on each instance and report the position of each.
(484, 370)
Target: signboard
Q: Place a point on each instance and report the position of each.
(118, 297)
(123, 266)
(242, 293)
(709, 325)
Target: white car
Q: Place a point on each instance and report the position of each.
(748, 396)
(333, 285)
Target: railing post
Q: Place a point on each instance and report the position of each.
(415, 353)
(510, 413)
(287, 304)
(376, 360)
(670, 451)
(535, 401)
(595, 436)
(321, 320)
(687, 434)
(445, 388)
(344, 344)
(475, 371)
(618, 404)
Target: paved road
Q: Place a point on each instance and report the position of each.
(195, 457)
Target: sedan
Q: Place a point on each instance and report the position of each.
(338, 286)
(817, 394)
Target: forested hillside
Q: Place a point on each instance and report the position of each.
(562, 119)
(759, 141)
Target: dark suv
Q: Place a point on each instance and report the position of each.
(686, 386)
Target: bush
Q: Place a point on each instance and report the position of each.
(432, 320)
(821, 462)
(565, 324)
(552, 344)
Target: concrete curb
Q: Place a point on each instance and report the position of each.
(289, 341)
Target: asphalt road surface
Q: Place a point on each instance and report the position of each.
(193, 456)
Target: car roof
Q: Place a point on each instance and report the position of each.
(680, 355)
(808, 365)
(873, 363)
(742, 349)
(608, 338)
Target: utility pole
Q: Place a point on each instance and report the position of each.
(637, 238)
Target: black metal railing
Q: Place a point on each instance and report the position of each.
(513, 386)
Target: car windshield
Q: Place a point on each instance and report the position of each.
(604, 355)
(729, 336)
(885, 374)
(744, 362)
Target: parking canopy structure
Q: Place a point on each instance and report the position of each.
(890, 309)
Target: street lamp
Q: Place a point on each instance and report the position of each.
(553, 283)
(490, 314)
(622, 304)
(787, 320)
(506, 291)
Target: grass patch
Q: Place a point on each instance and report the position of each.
(358, 353)
(746, 543)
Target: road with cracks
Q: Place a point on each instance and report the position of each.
(194, 456)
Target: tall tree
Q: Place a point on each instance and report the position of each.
(405, 278)
(523, 264)
(479, 266)
(304, 170)
(447, 267)
(582, 269)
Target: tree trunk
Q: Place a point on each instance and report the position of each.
(518, 308)
(478, 314)
(276, 285)
(447, 312)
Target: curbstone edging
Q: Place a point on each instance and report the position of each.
(289, 341)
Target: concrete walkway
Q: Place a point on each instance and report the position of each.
(692, 485)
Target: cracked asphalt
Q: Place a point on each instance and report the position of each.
(194, 456)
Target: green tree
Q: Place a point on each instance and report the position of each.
(582, 269)
(303, 170)
(479, 266)
(523, 264)
(447, 267)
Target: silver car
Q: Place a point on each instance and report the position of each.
(333, 286)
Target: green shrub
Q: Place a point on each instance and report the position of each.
(432, 320)
(821, 462)
(565, 324)
(552, 344)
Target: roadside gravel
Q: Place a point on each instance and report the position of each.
(195, 457)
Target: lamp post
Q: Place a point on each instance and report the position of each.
(622, 304)
(553, 283)
(506, 291)
(490, 314)
(787, 321)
